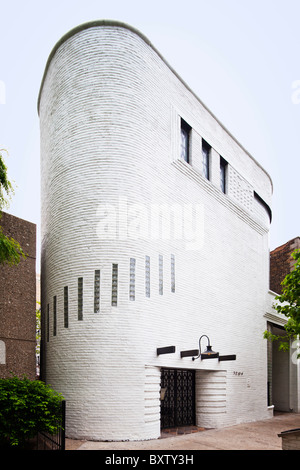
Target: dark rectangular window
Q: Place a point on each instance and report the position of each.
(185, 141)
(54, 315)
(223, 175)
(114, 286)
(205, 158)
(97, 291)
(80, 298)
(66, 307)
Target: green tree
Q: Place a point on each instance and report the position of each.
(26, 408)
(289, 305)
(10, 250)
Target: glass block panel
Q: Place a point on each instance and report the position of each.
(172, 273)
(97, 291)
(161, 273)
(114, 286)
(66, 307)
(132, 279)
(147, 276)
(80, 298)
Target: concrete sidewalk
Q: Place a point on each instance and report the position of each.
(260, 435)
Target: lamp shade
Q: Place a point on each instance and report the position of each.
(209, 353)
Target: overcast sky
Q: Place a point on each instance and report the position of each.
(240, 57)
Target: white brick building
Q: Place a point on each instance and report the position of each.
(155, 228)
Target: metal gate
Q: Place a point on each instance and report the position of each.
(177, 398)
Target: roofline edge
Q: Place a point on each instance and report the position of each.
(120, 24)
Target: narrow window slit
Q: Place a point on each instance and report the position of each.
(114, 286)
(97, 291)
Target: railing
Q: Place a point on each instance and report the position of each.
(45, 441)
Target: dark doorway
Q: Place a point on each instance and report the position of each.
(177, 398)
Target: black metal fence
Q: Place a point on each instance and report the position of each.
(46, 441)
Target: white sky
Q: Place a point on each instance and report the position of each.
(241, 57)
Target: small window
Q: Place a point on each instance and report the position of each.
(54, 315)
(223, 175)
(97, 291)
(132, 279)
(185, 141)
(114, 286)
(66, 307)
(80, 298)
(172, 273)
(205, 158)
(147, 276)
(161, 275)
(48, 323)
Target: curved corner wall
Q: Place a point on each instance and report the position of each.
(94, 142)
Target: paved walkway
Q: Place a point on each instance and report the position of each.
(260, 435)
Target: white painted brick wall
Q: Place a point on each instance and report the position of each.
(110, 110)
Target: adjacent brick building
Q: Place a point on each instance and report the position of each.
(18, 303)
(281, 263)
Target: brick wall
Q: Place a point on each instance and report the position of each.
(110, 113)
(281, 263)
(18, 302)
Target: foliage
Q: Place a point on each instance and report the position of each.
(289, 305)
(10, 250)
(38, 320)
(27, 407)
(6, 187)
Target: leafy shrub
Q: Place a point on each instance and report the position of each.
(27, 407)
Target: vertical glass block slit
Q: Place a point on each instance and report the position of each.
(114, 286)
(172, 273)
(54, 315)
(48, 323)
(147, 276)
(161, 273)
(96, 291)
(132, 279)
(66, 307)
(80, 298)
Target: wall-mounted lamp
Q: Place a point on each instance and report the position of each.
(208, 353)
